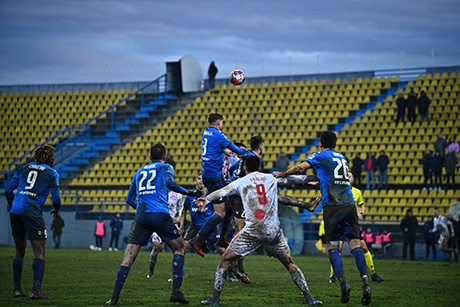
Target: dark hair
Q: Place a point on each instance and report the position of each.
(252, 164)
(328, 139)
(214, 117)
(255, 142)
(44, 155)
(238, 144)
(157, 152)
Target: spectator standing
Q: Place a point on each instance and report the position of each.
(423, 103)
(377, 247)
(441, 145)
(427, 162)
(430, 237)
(438, 164)
(382, 162)
(282, 162)
(370, 165)
(453, 145)
(387, 241)
(368, 238)
(212, 72)
(411, 103)
(117, 225)
(450, 164)
(56, 229)
(409, 226)
(401, 104)
(99, 233)
(357, 168)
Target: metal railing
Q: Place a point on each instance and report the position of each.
(71, 133)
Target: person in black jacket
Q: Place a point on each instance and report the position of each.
(427, 162)
(430, 237)
(401, 104)
(357, 169)
(438, 164)
(409, 226)
(423, 104)
(411, 103)
(116, 224)
(56, 229)
(382, 164)
(212, 72)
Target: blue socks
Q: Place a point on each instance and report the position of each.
(337, 263)
(123, 272)
(38, 267)
(17, 272)
(178, 270)
(208, 227)
(360, 261)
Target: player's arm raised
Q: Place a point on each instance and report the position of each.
(225, 191)
(297, 169)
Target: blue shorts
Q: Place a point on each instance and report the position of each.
(214, 184)
(341, 222)
(147, 223)
(24, 225)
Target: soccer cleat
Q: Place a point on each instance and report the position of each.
(178, 297)
(333, 279)
(18, 293)
(112, 301)
(376, 277)
(366, 299)
(315, 204)
(314, 303)
(150, 275)
(345, 293)
(210, 302)
(196, 248)
(243, 277)
(38, 295)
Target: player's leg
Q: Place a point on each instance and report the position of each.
(20, 241)
(138, 236)
(224, 226)
(178, 249)
(279, 249)
(332, 277)
(369, 261)
(221, 275)
(38, 267)
(153, 257)
(212, 184)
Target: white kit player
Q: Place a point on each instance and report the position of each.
(260, 200)
(229, 160)
(176, 205)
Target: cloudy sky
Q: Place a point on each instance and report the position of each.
(65, 41)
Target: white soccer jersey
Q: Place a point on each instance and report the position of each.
(175, 204)
(228, 162)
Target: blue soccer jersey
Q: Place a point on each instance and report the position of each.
(213, 146)
(151, 190)
(198, 217)
(33, 182)
(332, 171)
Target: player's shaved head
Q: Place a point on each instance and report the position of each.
(328, 139)
(252, 164)
(214, 117)
(44, 155)
(157, 152)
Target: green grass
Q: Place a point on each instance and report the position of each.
(80, 277)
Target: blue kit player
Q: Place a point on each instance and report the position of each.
(198, 217)
(340, 216)
(213, 146)
(148, 194)
(33, 182)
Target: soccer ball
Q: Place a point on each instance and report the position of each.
(236, 77)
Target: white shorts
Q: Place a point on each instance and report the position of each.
(156, 238)
(244, 243)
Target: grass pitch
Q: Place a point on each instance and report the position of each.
(81, 277)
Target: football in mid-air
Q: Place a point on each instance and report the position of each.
(236, 77)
